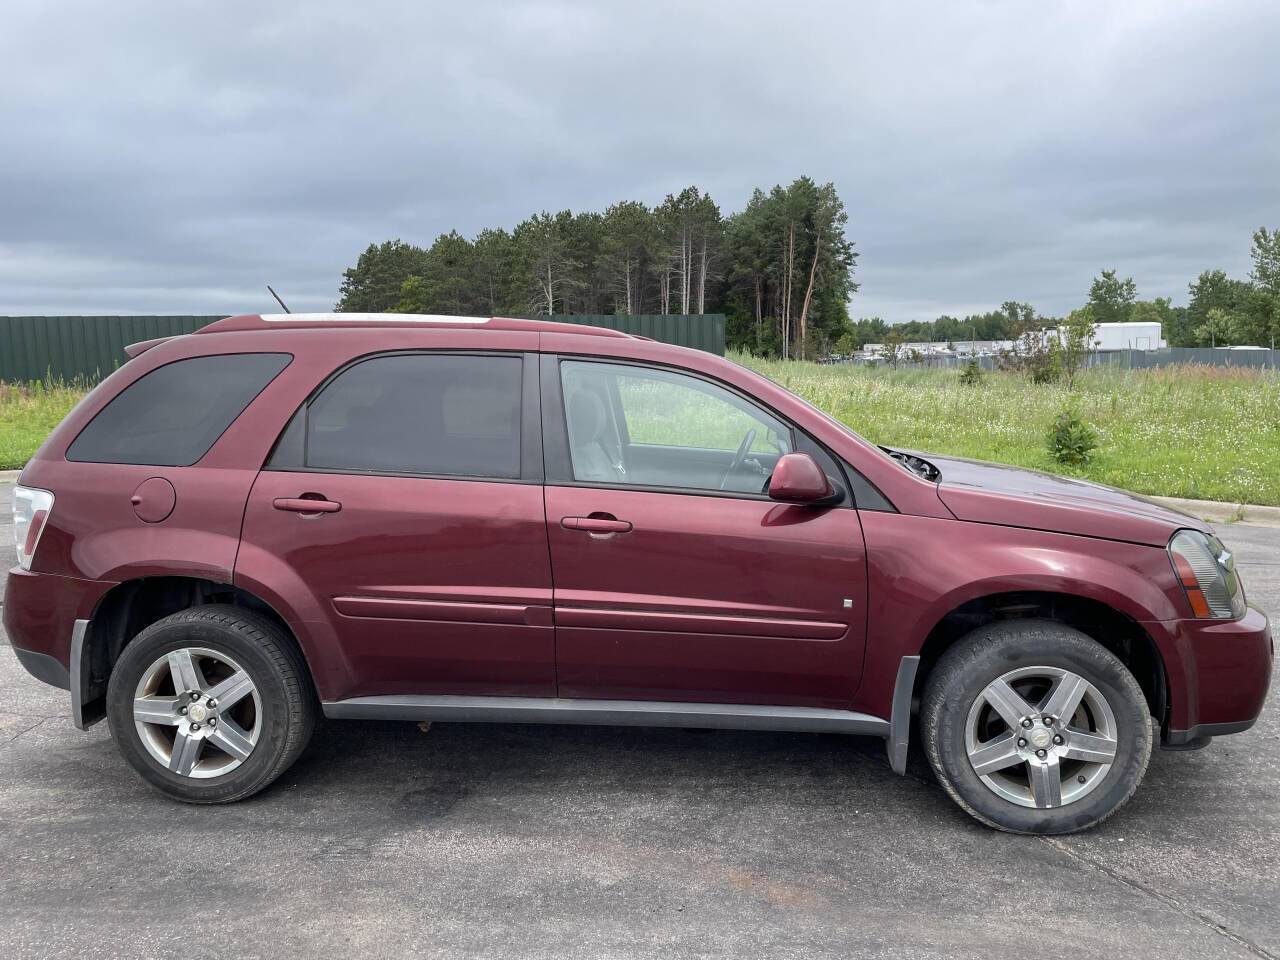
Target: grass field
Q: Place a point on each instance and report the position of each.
(1210, 433)
(27, 414)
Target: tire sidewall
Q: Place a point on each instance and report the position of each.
(164, 637)
(1051, 645)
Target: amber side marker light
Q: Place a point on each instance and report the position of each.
(1195, 596)
(1207, 572)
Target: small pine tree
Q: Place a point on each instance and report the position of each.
(971, 373)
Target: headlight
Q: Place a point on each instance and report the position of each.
(31, 510)
(1207, 571)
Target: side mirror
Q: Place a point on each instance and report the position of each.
(797, 478)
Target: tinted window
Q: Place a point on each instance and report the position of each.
(171, 416)
(650, 427)
(419, 413)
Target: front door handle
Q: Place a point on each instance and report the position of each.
(596, 526)
(313, 503)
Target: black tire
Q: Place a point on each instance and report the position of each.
(963, 673)
(278, 672)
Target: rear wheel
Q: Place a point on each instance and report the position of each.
(1033, 727)
(210, 705)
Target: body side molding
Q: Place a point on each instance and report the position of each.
(643, 713)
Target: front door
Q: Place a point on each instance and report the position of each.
(404, 507)
(676, 577)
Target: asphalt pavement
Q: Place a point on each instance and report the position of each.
(522, 841)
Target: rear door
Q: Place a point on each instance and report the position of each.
(676, 577)
(404, 501)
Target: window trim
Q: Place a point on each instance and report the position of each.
(531, 458)
(559, 462)
(290, 357)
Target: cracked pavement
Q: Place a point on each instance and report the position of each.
(522, 841)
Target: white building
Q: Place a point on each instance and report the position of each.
(1127, 336)
(1107, 337)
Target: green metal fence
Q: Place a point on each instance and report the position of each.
(703, 331)
(89, 348)
(78, 348)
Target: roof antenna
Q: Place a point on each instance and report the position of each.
(278, 300)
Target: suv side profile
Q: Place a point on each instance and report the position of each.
(483, 519)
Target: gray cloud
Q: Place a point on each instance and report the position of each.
(174, 157)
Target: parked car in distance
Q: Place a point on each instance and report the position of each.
(441, 518)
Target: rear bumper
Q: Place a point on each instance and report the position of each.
(41, 609)
(44, 667)
(1219, 674)
(46, 618)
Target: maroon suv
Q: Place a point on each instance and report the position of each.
(441, 518)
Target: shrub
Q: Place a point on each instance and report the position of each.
(971, 373)
(1071, 439)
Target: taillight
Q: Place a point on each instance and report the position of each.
(1207, 571)
(31, 508)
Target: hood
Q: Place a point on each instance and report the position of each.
(992, 493)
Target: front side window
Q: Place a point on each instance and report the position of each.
(643, 426)
(171, 416)
(434, 414)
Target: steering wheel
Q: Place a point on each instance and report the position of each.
(739, 457)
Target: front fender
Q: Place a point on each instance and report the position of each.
(922, 568)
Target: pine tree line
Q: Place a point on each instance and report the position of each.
(781, 269)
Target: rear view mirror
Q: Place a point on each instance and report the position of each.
(797, 478)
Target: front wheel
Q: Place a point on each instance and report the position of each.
(210, 705)
(1033, 727)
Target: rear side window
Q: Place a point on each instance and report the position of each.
(171, 416)
(433, 414)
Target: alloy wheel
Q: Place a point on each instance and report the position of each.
(1041, 736)
(197, 712)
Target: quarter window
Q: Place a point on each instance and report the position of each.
(171, 416)
(649, 427)
(434, 414)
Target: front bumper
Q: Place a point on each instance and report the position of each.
(1218, 675)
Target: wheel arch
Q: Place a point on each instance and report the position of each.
(130, 607)
(1113, 629)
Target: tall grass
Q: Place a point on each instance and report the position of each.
(1209, 433)
(28, 412)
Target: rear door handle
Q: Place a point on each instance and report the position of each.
(596, 526)
(306, 504)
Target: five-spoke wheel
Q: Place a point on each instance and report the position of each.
(211, 704)
(1034, 727)
(197, 712)
(1041, 736)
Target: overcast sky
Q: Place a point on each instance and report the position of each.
(173, 157)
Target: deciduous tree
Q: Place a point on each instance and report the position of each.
(1111, 298)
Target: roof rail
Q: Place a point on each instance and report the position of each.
(279, 321)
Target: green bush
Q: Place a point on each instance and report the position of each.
(971, 373)
(1071, 439)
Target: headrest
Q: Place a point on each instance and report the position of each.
(586, 416)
